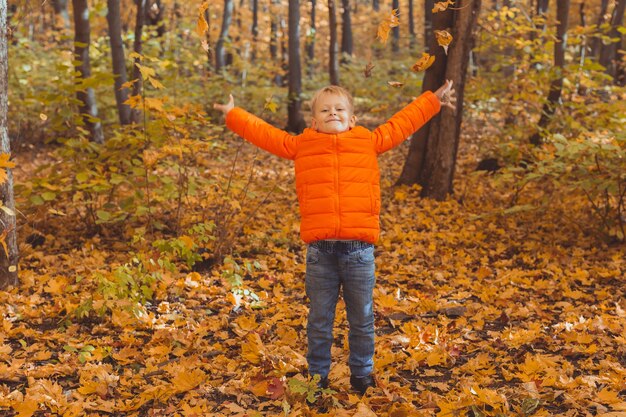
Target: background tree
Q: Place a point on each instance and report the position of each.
(86, 96)
(333, 46)
(119, 60)
(556, 85)
(220, 50)
(610, 53)
(8, 234)
(411, 19)
(295, 120)
(60, 10)
(395, 40)
(432, 154)
(310, 40)
(255, 28)
(346, 31)
(140, 19)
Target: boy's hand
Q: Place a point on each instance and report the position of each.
(447, 95)
(225, 108)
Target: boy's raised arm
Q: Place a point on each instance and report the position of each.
(411, 118)
(257, 131)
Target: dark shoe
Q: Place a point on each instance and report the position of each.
(362, 383)
(323, 383)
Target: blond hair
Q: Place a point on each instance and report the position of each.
(334, 90)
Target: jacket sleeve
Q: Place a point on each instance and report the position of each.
(406, 122)
(261, 133)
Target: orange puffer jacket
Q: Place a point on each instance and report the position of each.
(337, 176)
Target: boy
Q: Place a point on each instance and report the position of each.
(338, 187)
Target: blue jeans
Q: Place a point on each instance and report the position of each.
(331, 265)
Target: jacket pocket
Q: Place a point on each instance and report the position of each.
(375, 200)
(302, 197)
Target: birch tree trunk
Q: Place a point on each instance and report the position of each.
(220, 51)
(295, 120)
(8, 233)
(119, 60)
(88, 108)
(60, 9)
(432, 155)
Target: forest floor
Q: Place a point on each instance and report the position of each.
(477, 314)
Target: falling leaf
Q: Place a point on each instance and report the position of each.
(442, 6)
(43, 117)
(424, 62)
(270, 104)
(385, 26)
(368, 69)
(395, 84)
(203, 26)
(444, 38)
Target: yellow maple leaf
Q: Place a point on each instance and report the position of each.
(424, 62)
(442, 6)
(607, 396)
(252, 350)
(391, 21)
(444, 38)
(187, 380)
(26, 408)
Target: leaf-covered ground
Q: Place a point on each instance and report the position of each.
(477, 314)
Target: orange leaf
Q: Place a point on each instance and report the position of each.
(424, 62)
(442, 6)
(444, 38)
(202, 26)
(391, 21)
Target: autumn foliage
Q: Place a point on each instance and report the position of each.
(161, 273)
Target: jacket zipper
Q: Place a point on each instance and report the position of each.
(336, 175)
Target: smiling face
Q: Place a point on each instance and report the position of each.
(332, 113)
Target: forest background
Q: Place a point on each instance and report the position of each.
(150, 260)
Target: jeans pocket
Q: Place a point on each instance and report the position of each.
(312, 255)
(366, 255)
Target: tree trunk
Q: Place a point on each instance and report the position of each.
(609, 53)
(556, 86)
(255, 28)
(395, 32)
(119, 60)
(412, 35)
(346, 31)
(432, 155)
(60, 10)
(295, 120)
(8, 234)
(209, 52)
(428, 23)
(597, 42)
(140, 20)
(310, 41)
(220, 52)
(155, 10)
(274, 24)
(88, 108)
(376, 5)
(333, 61)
